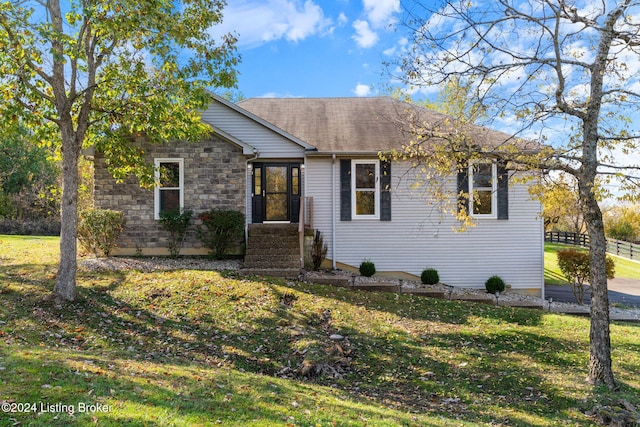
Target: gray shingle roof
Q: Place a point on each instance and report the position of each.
(355, 125)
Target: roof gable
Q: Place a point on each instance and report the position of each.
(231, 121)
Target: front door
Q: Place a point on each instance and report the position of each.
(276, 192)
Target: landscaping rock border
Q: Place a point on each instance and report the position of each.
(350, 280)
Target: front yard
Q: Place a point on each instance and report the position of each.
(205, 348)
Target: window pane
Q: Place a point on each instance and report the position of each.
(482, 175)
(482, 203)
(169, 200)
(365, 203)
(170, 174)
(366, 175)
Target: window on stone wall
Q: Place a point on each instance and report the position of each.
(169, 189)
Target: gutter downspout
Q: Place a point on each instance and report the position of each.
(248, 189)
(333, 213)
(302, 217)
(541, 222)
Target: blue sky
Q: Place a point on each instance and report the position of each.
(336, 48)
(313, 48)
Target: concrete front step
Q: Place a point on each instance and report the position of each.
(272, 249)
(273, 246)
(273, 230)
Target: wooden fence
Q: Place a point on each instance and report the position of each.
(623, 249)
(567, 238)
(615, 247)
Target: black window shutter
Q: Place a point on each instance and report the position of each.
(463, 189)
(385, 191)
(345, 190)
(503, 192)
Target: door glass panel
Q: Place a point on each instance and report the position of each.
(295, 181)
(257, 181)
(276, 179)
(276, 191)
(276, 207)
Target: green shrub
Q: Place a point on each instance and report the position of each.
(177, 224)
(430, 276)
(220, 228)
(318, 250)
(495, 284)
(367, 268)
(576, 267)
(99, 230)
(31, 227)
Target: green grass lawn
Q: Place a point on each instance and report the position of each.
(205, 348)
(553, 276)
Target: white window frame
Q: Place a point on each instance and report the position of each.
(493, 189)
(156, 193)
(354, 190)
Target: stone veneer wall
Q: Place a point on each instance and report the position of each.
(214, 176)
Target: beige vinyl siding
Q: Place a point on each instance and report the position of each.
(419, 236)
(270, 144)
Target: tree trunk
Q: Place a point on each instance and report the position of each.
(600, 370)
(65, 288)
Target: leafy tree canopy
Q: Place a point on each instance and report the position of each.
(83, 73)
(117, 70)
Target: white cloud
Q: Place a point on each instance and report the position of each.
(399, 48)
(364, 36)
(380, 12)
(257, 22)
(342, 19)
(362, 90)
